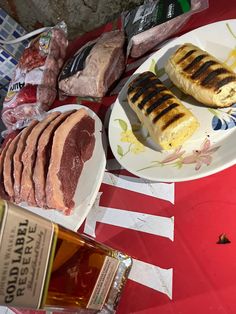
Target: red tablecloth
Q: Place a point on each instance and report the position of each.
(189, 273)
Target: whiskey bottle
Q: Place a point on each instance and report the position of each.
(46, 266)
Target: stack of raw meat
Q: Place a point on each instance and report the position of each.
(42, 164)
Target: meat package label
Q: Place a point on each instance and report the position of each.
(77, 62)
(154, 13)
(16, 84)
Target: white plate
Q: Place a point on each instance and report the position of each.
(211, 149)
(89, 181)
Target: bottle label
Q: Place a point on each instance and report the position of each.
(103, 283)
(25, 245)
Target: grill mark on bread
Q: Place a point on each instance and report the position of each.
(194, 62)
(224, 82)
(188, 54)
(142, 88)
(168, 121)
(203, 68)
(139, 87)
(151, 95)
(172, 120)
(212, 75)
(158, 103)
(209, 81)
(165, 111)
(143, 77)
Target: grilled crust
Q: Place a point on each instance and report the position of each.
(202, 76)
(169, 123)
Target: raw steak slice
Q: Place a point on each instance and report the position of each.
(28, 159)
(3, 193)
(17, 160)
(8, 167)
(73, 144)
(43, 158)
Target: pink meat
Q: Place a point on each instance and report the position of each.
(49, 79)
(17, 160)
(145, 41)
(54, 49)
(46, 96)
(59, 37)
(3, 192)
(8, 167)
(104, 65)
(28, 159)
(60, 62)
(73, 144)
(52, 64)
(43, 158)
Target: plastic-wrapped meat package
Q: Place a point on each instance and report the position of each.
(154, 21)
(94, 67)
(33, 86)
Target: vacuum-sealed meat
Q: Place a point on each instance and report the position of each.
(33, 86)
(151, 23)
(95, 67)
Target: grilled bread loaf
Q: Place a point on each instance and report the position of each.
(169, 123)
(202, 76)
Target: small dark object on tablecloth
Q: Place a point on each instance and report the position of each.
(223, 239)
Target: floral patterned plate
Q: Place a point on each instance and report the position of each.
(212, 147)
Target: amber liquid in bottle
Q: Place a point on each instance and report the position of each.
(46, 266)
(75, 270)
